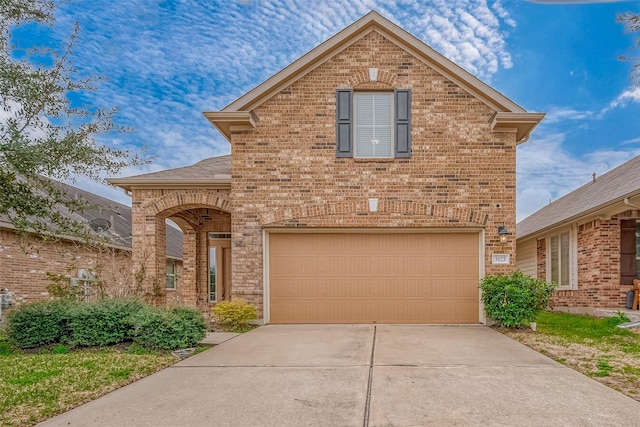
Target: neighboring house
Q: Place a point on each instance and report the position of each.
(587, 241)
(367, 182)
(28, 262)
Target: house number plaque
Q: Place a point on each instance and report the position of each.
(501, 259)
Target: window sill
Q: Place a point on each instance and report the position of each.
(374, 159)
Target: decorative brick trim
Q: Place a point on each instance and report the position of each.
(181, 200)
(361, 77)
(384, 206)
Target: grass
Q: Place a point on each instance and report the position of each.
(34, 387)
(589, 330)
(593, 346)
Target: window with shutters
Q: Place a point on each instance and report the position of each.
(373, 124)
(562, 263)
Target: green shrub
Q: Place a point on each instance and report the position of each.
(40, 323)
(515, 300)
(235, 314)
(169, 329)
(104, 322)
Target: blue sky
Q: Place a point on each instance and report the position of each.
(167, 61)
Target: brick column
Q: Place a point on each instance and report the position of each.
(189, 289)
(149, 261)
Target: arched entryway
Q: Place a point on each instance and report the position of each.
(205, 220)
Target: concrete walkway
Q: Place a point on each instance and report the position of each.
(362, 375)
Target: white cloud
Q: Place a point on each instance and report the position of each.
(629, 95)
(169, 61)
(546, 171)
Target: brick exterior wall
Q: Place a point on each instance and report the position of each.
(598, 265)
(25, 262)
(286, 174)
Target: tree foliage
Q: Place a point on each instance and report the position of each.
(46, 133)
(631, 24)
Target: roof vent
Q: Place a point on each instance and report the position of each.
(99, 224)
(594, 177)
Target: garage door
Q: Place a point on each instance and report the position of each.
(373, 278)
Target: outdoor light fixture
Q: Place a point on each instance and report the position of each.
(503, 233)
(373, 205)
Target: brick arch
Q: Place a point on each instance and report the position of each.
(361, 77)
(384, 206)
(180, 200)
(185, 225)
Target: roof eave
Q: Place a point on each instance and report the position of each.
(521, 122)
(231, 121)
(605, 209)
(219, 181)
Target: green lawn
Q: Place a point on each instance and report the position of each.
(592, 346)
(34, 387)
(589, 330)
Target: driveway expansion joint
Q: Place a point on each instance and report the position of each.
(367, 406)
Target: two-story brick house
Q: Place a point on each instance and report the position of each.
(367, 182)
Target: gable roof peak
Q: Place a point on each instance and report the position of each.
(237, 114)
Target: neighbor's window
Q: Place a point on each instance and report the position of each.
(561, 261)
(373, 124)
(170, 275)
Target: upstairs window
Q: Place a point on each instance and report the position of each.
(373, 124)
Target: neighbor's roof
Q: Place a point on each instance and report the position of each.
(608, 189)
(238, 115)
(206, 173)
(117, 214)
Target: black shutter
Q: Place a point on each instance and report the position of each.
(344, 120)
(627, 251)
(402, 98)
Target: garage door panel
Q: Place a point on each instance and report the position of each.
(363, 278)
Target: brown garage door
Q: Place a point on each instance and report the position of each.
(368, 278)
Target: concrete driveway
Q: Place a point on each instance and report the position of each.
(362, 375)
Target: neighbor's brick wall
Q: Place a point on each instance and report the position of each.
(286, 174)
(25, 262)
(598, 267)
(541, 256)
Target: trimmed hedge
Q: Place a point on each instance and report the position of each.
(40, 323)
(105, 322)
(176, 327)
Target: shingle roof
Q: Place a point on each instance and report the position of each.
(117, 214)
(207, 171)
(608, 189)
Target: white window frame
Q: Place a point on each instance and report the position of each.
(173, 276)
(356, 155)
(573, 257)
